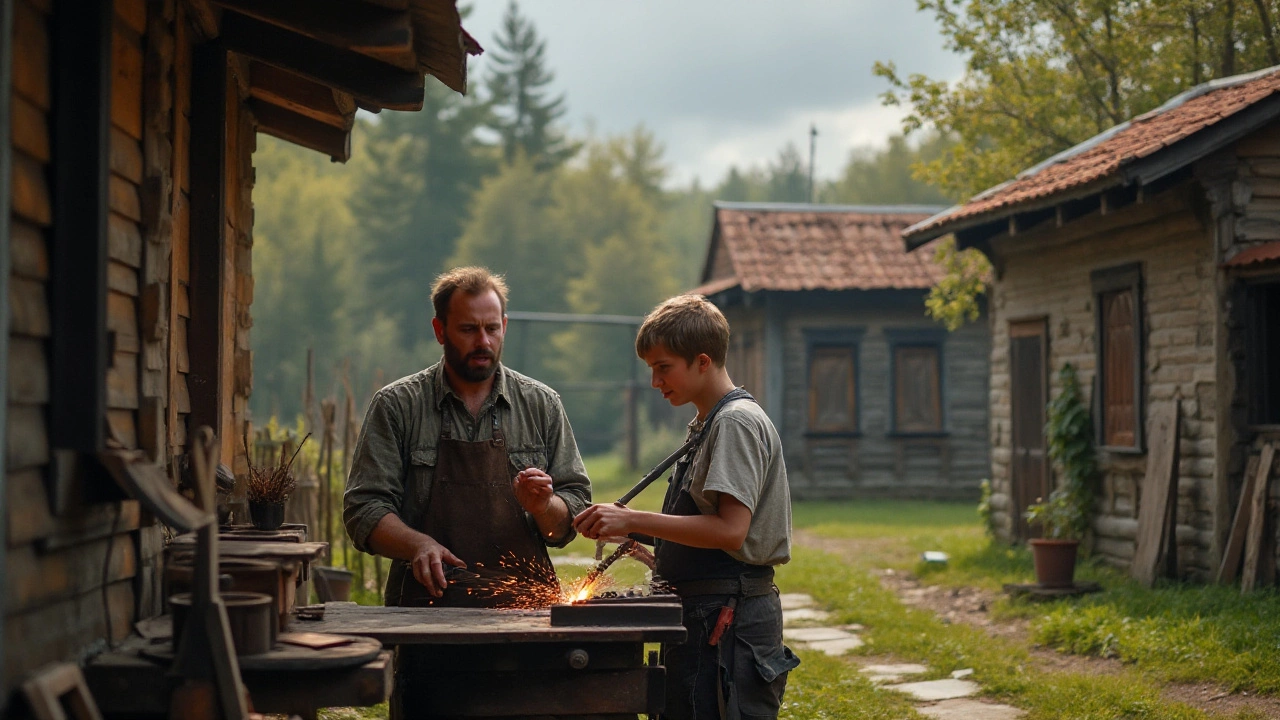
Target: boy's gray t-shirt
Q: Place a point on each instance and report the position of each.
(742, 456)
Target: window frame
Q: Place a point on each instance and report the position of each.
(917, 338)
(1107, 280)
(834, 339)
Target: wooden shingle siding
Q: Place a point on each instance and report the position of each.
(874, 462)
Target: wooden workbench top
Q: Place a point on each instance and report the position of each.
(260, 548)
(468, 626)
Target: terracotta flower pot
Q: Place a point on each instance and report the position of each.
(266, 516)
(1055, 561)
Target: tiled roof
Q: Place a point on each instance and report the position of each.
(815, 247)
(1106, 155)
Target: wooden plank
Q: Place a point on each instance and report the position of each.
(126, 84)
(82, 85)
(30, 127)
(93, 522)
(123, 198)
(122, 278)
(181, 303)
(31, 55)
(28, 372)
(182, 401)
(181, 362)
(340, 24)
(57, 690)
(28, 308)
(62, 630)
(28, 252)
(30, 191)
(27, 500)
(298, 94)
(1258, 520)
(133, 15)
(364, 78)
(123, 428)
(27, 438)
(208, 224)
(301, 130)
(122, 381)
(180, 245)
(1159, 489)
(124, 240)
(126, 156)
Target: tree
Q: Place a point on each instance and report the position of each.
(1044, 75)
(517, 81)
(885, 175)
(789, 177)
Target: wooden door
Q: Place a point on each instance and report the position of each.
(1029, 393)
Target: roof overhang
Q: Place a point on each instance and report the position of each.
(1134, 181)
(312, 63)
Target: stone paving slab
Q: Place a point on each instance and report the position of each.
(966, 709)
(930, 690)
(795, 601)
(886, 674)
(804, 615)
(837, 647)
(817, 634)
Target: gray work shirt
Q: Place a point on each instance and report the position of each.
(401, 434)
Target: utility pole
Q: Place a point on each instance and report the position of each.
(813, 144)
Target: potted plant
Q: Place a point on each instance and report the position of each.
(268, 489)
(1065, 517)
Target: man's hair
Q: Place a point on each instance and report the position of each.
(687, 325)
(470, 280)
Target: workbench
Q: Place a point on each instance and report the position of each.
(496, 663)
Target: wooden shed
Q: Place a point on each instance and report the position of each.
(1149, 258)
(126, 260)
(828, 331)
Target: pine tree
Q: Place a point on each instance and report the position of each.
(518, 79)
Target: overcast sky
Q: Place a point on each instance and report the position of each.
(729, 82)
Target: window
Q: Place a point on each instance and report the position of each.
(1118, 298)
(917, 389)
(833, 381)
(1262, 352)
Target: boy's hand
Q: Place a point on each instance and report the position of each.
(604, 521)
(533, 489)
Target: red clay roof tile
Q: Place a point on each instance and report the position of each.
(818, 247)
(1104, 155)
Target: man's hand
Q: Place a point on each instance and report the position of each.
(533, 490)
(428, 565)
(604, 521)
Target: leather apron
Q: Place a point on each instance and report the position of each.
(473, 511)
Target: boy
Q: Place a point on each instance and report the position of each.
(725, 522)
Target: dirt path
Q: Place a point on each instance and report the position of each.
(972, 606)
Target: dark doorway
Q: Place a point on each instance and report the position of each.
(1262, 353)
(1029, 393)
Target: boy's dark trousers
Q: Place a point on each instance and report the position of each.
(749, 659)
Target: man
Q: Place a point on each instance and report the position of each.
(464, 473)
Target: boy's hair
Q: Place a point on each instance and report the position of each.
(470, 280)
(687, 325)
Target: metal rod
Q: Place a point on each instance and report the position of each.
(634, 320)
(656, 473)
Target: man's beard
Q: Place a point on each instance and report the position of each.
(461, 366)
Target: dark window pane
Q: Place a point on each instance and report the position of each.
(831, 390)
(917, 397)
(1118, 358)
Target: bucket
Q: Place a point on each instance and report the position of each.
(256, 576)
(333, 584)
(251, 617)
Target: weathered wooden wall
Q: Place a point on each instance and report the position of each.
(877, 463)
(79, 578)
(1046, 273)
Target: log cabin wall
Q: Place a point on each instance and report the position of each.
(82, 564)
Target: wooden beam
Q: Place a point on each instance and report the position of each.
(302, 130)
(342, 24)
(299, 95)
(6, 155)
(82, 43)
(364, 78)
(208, 234)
